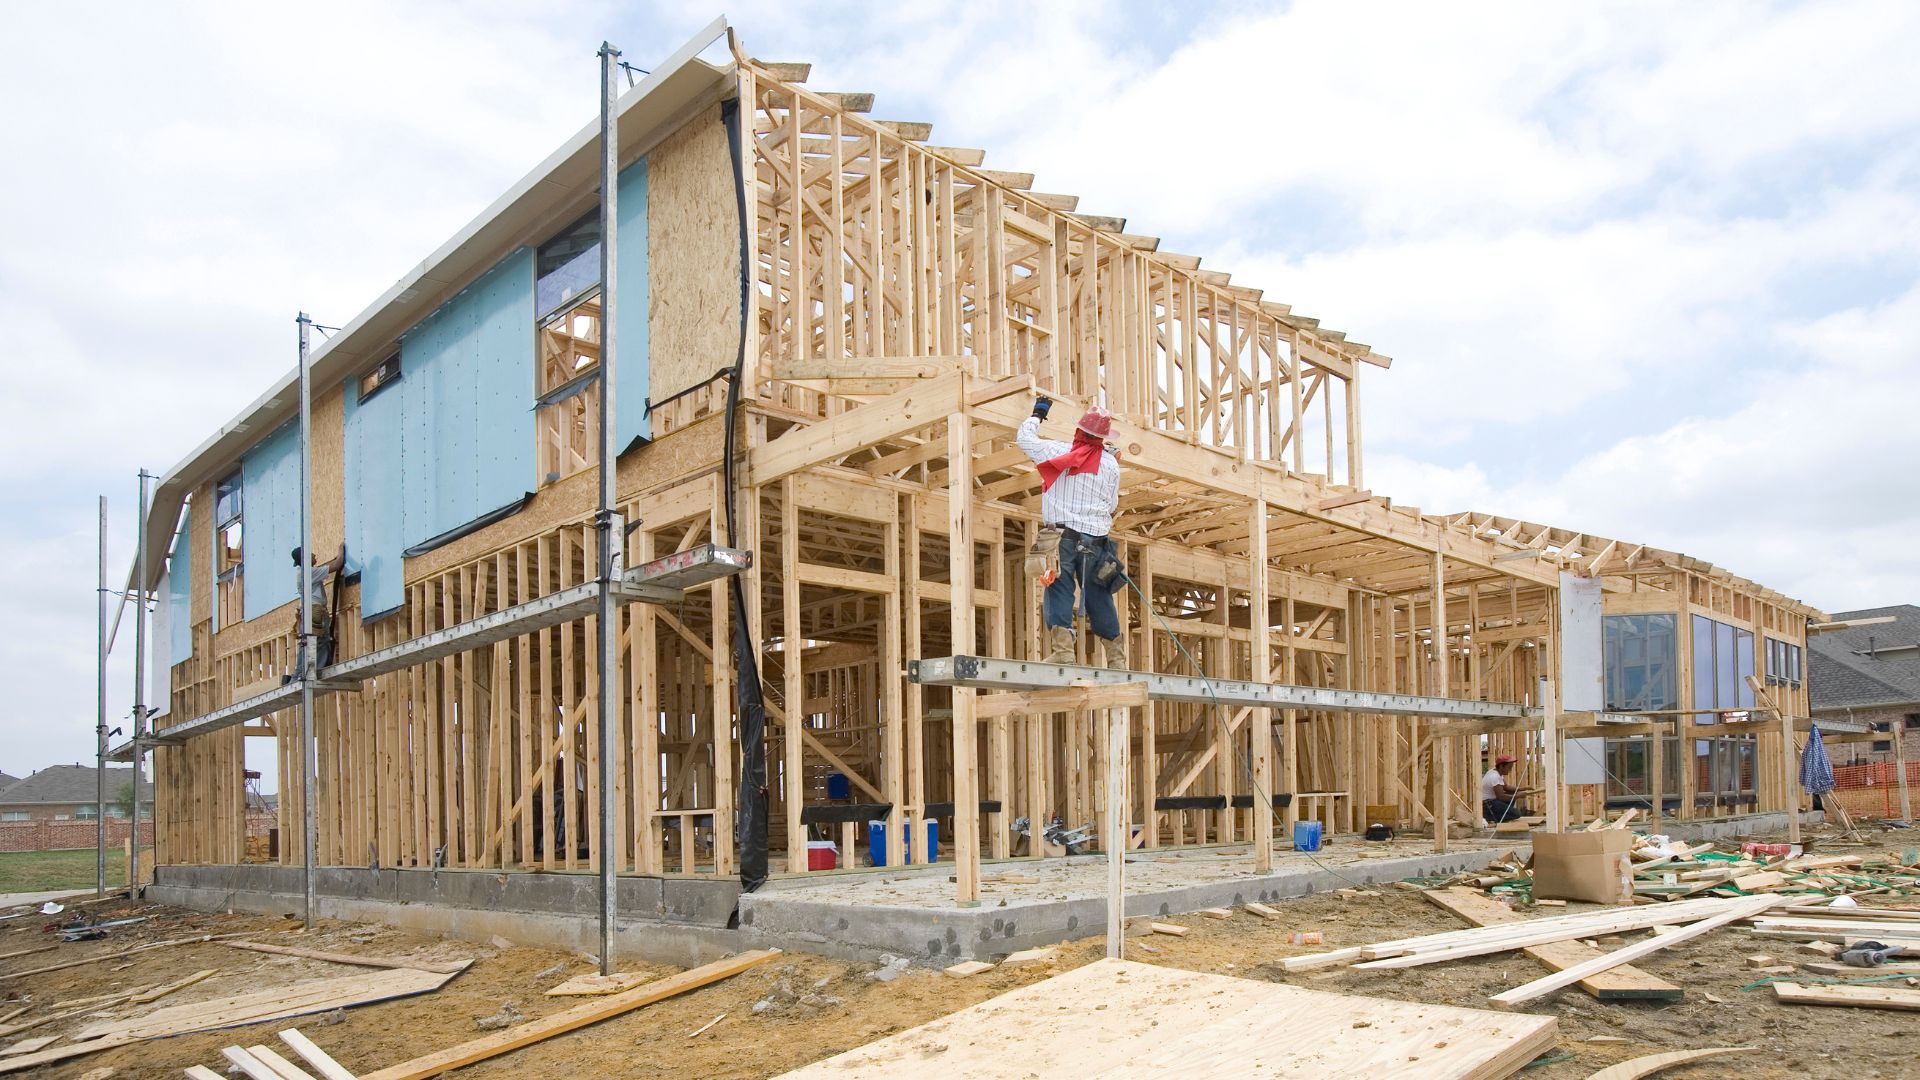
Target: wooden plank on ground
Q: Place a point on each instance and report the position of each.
(1859, 997)
(1155, 1021)
(322, 1062)
(1542, 987)
(579, 1016)
(1638, 1067)
(444, 967)
(1622, 983)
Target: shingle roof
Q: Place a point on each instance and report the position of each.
(66, 784)
(5, 780)
(1853, 669)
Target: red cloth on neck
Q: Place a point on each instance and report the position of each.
(1084, 457)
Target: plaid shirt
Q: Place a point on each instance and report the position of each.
(1083, 502)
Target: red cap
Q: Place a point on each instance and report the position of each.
(1097, 422)
(1505, 759)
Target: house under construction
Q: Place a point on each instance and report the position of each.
(1310, 649)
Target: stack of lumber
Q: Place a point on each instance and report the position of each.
(262, 1062)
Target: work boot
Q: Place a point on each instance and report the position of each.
(1112, 654)
(1060, 645)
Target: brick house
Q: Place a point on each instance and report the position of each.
(1869, 674)
(56, 807)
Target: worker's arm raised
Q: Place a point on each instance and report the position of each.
(1028, 439)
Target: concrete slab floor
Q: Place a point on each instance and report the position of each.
(1085, 877)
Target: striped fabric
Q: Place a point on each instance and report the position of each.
(1083, 502)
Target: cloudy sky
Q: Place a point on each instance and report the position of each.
(1646, 270)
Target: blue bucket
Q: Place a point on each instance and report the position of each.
(877, 841)
(1306, 836)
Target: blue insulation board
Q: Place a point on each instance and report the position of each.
(372, 470)
(270, 478)
(632, 377)
(180, 596)
(453, 439)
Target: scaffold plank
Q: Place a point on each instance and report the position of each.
(992, 673)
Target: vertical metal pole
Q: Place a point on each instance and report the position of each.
(139, 687)
(309, 658)
(1118, 820)
(100, 732)
(611, 533)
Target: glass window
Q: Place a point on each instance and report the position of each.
(87, 812)
(16, 815)
(1703, 681)
(1727, 679)
(568, 265)
(1638, 662)
(1743, 669)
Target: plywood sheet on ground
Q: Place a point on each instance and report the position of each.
(1116, 1018)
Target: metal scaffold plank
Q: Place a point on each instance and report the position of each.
(991, 673)
(664, 580)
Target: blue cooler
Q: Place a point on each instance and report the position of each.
(838, 786)
(877, 841)
(1306, 836)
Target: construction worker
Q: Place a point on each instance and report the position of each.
(1500, 801)
(1079, 489)
(313, 578)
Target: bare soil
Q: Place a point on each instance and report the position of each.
(816, 1007)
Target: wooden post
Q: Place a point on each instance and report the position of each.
(1789, 776)
(1117, 832)
(792, 645)
(1900, 765)
(1657, 771)
(1550, 755)
(1443, 744)
(1260, 646)
(966, 775)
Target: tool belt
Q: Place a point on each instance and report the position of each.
(1043, 558)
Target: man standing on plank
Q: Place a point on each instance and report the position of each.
(1075, 556)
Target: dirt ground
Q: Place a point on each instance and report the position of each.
(817, 1007)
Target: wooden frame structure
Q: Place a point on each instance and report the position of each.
(905, 303)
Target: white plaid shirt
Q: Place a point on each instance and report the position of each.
(1083, 502)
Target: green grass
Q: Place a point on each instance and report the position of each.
(46, 871)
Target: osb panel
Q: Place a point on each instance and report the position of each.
(200, 551)
(693, 241)
(329, 492)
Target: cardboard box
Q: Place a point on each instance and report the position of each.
(1592, 866)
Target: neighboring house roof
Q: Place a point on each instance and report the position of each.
(5, 780)
(1866, 666)
(65, 784)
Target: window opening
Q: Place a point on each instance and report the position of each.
(373, 381)
(227, 560)
(567, 391)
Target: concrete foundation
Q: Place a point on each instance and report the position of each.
(851, 915)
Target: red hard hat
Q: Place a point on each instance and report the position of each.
(1097, 422)
(1504, 759)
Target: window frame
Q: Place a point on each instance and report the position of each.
(384, 374)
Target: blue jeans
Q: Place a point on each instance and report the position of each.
(1080, 555)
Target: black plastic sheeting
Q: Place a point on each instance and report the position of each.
(750, 825)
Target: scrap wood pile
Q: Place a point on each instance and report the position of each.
(1850, 953)
(58, 1030)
